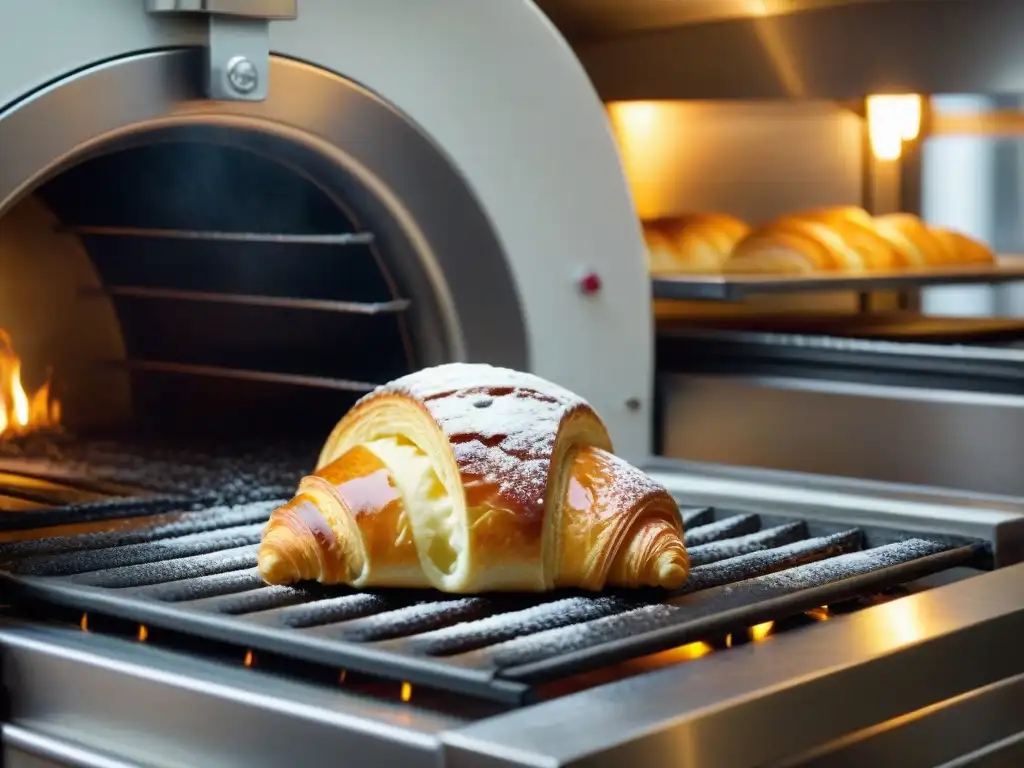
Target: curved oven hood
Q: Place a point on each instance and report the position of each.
(766, 49)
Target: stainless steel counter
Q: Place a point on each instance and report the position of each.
(82, 693)
(971, 441)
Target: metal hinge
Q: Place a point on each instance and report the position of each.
(238, 49)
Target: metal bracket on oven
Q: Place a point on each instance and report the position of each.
(238, 50)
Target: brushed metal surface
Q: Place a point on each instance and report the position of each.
(978, 720)
(998, 520)
(275, 302)
(142, 705)
(787, 695)
(1007, 269)
(754, 159)
(12, 757)
(760, 703)
(24, 748)
(964, 440)
(609, 18)
(1008, 753)
(840, 50)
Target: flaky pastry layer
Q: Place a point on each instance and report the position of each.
(471, 479)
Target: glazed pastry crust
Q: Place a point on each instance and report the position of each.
(695, 243)
(848, 239)
(478, 473)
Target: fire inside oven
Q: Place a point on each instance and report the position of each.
(217, 313)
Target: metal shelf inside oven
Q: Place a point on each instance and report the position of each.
(1006, 269)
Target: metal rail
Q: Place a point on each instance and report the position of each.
(347, 238)
(1007, 268)
(275, 302)
(240, 374)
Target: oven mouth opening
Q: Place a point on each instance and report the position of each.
(189, 291)
(208, 280)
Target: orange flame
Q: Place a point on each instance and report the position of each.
(22, 412)
(680, 653)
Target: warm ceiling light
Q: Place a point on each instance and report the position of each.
(910, 116)
(635, 118)
(645, 132)
(892, 119)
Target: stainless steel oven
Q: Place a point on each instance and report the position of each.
(221, 222)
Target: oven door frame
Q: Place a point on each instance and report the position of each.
(336, 133)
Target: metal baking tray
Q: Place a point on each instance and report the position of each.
(900, 326)
(1002, 369)
(1008, 268)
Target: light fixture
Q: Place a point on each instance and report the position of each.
(892, 119)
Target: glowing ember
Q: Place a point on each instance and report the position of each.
(687, 652)
(820, 614)
(22, 412)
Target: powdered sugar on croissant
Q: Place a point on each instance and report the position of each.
(489, 471)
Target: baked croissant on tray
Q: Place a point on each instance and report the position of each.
(468, 478)
(850, 240)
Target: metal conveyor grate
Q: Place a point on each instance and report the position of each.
(195, 573)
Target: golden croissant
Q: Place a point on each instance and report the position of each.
(849, 239)
(468, 478)
(695, 243)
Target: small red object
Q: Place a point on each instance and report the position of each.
(590, 283)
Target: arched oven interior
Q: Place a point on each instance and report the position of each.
(225, 267)
(190, 304)
(188, 292)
